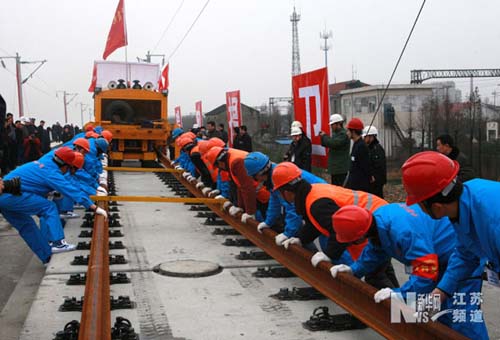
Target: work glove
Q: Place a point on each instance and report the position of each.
(245, 217)
(233, 211)
(227, 205)
(190, 178)
(178, 167)
(102, 212)
(104, 162)
(54, 196)
(340, 268)
(214, 193)
(205, 191)
(382, 295)
(200, 185)
(186, 174)
(280, 239)
(103, 181)
(292, 240)
(262, 226)
(318, 257)
(102, 191)
(219, 197)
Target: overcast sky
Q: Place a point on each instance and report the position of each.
(240, 44)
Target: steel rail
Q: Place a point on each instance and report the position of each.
(202, 200)
(95, 322)
(125, 169)
(347, 291)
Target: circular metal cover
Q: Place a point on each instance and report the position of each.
(188, 268)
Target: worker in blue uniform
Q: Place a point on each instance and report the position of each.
(37, 181)
(423, 245)
(431, 180)
(259, 166)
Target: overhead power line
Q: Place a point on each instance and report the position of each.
(189, 30)
(397, 63)
(168, 26)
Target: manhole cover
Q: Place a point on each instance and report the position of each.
(188, 268)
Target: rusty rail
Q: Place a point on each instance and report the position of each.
(346, 290)
(95, 322)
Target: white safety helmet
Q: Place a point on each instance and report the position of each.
(295, 131)
(296, 123)
(369, 131)
(196, 126)
(24, 119)
(336, 118)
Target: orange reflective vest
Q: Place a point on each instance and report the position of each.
(262, 193)
(342, 197)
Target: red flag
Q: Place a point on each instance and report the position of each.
(233, 108)
(94, 79)
(163, 81)
(310, 101)
(199, 113)
(117, 36)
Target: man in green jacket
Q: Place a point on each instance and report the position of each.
(339, 144)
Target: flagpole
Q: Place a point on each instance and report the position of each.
(126, 67)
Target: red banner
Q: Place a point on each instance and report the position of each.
(117, 36)
(233, 107)
(178, 117)
(163, 81)
(310, 99)
(199, 113)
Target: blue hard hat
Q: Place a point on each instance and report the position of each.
(101, 144)
(255, 162)
(98, 129)
(177, 132)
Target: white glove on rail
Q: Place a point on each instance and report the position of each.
(233, 211)
(280, 239)
(205, 191)
(102, 190)
(185, 174)
(318, 257)
(262, 226)
(214, 193)
(292, 240)
(383, 294)
(227, 205)
(340, 268)
(245, 217)
(102, 212)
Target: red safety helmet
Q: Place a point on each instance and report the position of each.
(79, 160)
(83, 143)
(91, 134)
(351, 222)
(184, 141)
(428, 173)
(89, 127)
(205, 147)
(188, 134)
(64, 156)
(285, 173)
(355, 124)
(213, 154)
(107, 135)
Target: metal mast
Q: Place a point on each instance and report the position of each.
(295, 18)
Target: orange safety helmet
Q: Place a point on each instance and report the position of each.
(184, 141)
(205, 147)
(213, 154)
(83, 143)
(285, 173)
(355, 124)
(107, 135)
(428, 173)
(64, 156)
(79, 160)
(188, 134)
(91, 134)
(89, 127)
(351, 223)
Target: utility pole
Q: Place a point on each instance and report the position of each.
(83, 106)
(295, 18)
(325, 35)
(19, 79)
(66, 102)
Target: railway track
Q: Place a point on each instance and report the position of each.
(96, 319)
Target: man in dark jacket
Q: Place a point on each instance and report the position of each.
(244, 141)
(377, 161)
(212, 131)
(223, 133)
(300, 149)
(44, 136)
(360, 172)
(338, 145)
(446, 145)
